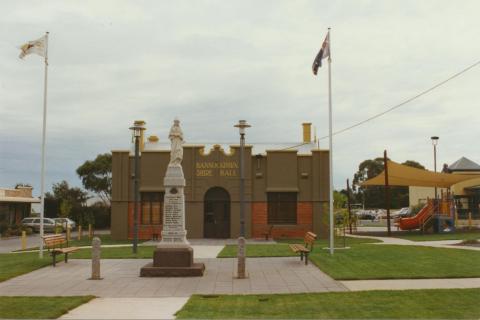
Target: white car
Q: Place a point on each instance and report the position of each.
(68, 221)
(404, 212)
(34, 223)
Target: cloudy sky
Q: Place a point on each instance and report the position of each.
(212, 63)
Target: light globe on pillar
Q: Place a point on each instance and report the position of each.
(434, 143)
(137, 130)
(241, 273)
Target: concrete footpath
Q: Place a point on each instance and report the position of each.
(450, 244)
(128, 308)
(406, 284)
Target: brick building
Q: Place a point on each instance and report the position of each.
(286, 190)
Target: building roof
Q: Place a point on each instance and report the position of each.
(301, 148)
(19, 199)
(464, 164)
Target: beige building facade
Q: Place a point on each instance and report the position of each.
(286, 191)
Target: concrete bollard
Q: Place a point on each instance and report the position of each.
(24, 240)
(90, 231)
(96, 248)
(69, 229)
(241, 273)
(79, 236)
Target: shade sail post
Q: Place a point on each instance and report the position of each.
(387, 191)
(349, 207)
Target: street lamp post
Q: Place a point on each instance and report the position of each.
(434, 143)
(242, 124)
(137, 129)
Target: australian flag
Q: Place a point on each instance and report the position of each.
(324, 53)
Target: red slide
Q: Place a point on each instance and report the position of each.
(415, 222)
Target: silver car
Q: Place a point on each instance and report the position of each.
(34, 223)
(66, 222)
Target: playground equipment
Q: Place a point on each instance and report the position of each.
(438, 214)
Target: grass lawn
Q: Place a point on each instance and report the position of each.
(85, 241)
(105, 238)
(408, 304)
(258, 250)
(440, 236)
(369, 261)
(39, 307)
(282, 249)
(144, 252)
(15, 264)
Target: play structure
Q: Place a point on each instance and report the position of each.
(439, 214)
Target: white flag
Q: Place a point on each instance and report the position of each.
(36, 46)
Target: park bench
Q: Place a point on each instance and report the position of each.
(306, 248)
(58, 244)
(268, 234)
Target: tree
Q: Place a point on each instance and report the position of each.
(371, 197)
(413, 164)
(96, 176)
(339, 199)
(21, 184)
(71, 201)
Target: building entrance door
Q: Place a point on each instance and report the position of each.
(216, 210)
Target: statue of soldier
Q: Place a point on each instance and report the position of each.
(176, 138)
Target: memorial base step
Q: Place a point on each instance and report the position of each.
(196, 270)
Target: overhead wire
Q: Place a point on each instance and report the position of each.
(404, 102)
(296, 144)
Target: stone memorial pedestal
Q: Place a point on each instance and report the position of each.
(174, 255)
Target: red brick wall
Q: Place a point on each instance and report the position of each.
(145, 232)
(260, 224)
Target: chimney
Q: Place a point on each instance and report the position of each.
(142, 137)
(307, 132)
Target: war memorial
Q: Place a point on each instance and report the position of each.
(174, 255)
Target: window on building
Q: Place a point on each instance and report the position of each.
(152, 207)
(282, 207)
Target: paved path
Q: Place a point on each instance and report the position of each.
(128, 308)
(403, 284)
(404, 242)
(121, 279)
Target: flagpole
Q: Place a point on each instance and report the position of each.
(42, 178)
(330, 142)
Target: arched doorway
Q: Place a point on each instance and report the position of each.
(216, 213)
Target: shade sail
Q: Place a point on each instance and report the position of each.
(401, 175)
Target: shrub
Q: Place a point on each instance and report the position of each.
(58, 229)
(3, 227)
(28, 230)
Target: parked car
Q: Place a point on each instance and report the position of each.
(66, 222)
(402, 213)
(34, 223)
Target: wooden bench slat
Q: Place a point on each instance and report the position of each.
(54, 244)
(66, 250)
(306, 248)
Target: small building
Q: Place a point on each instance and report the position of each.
(286, 190)
(16, 204)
